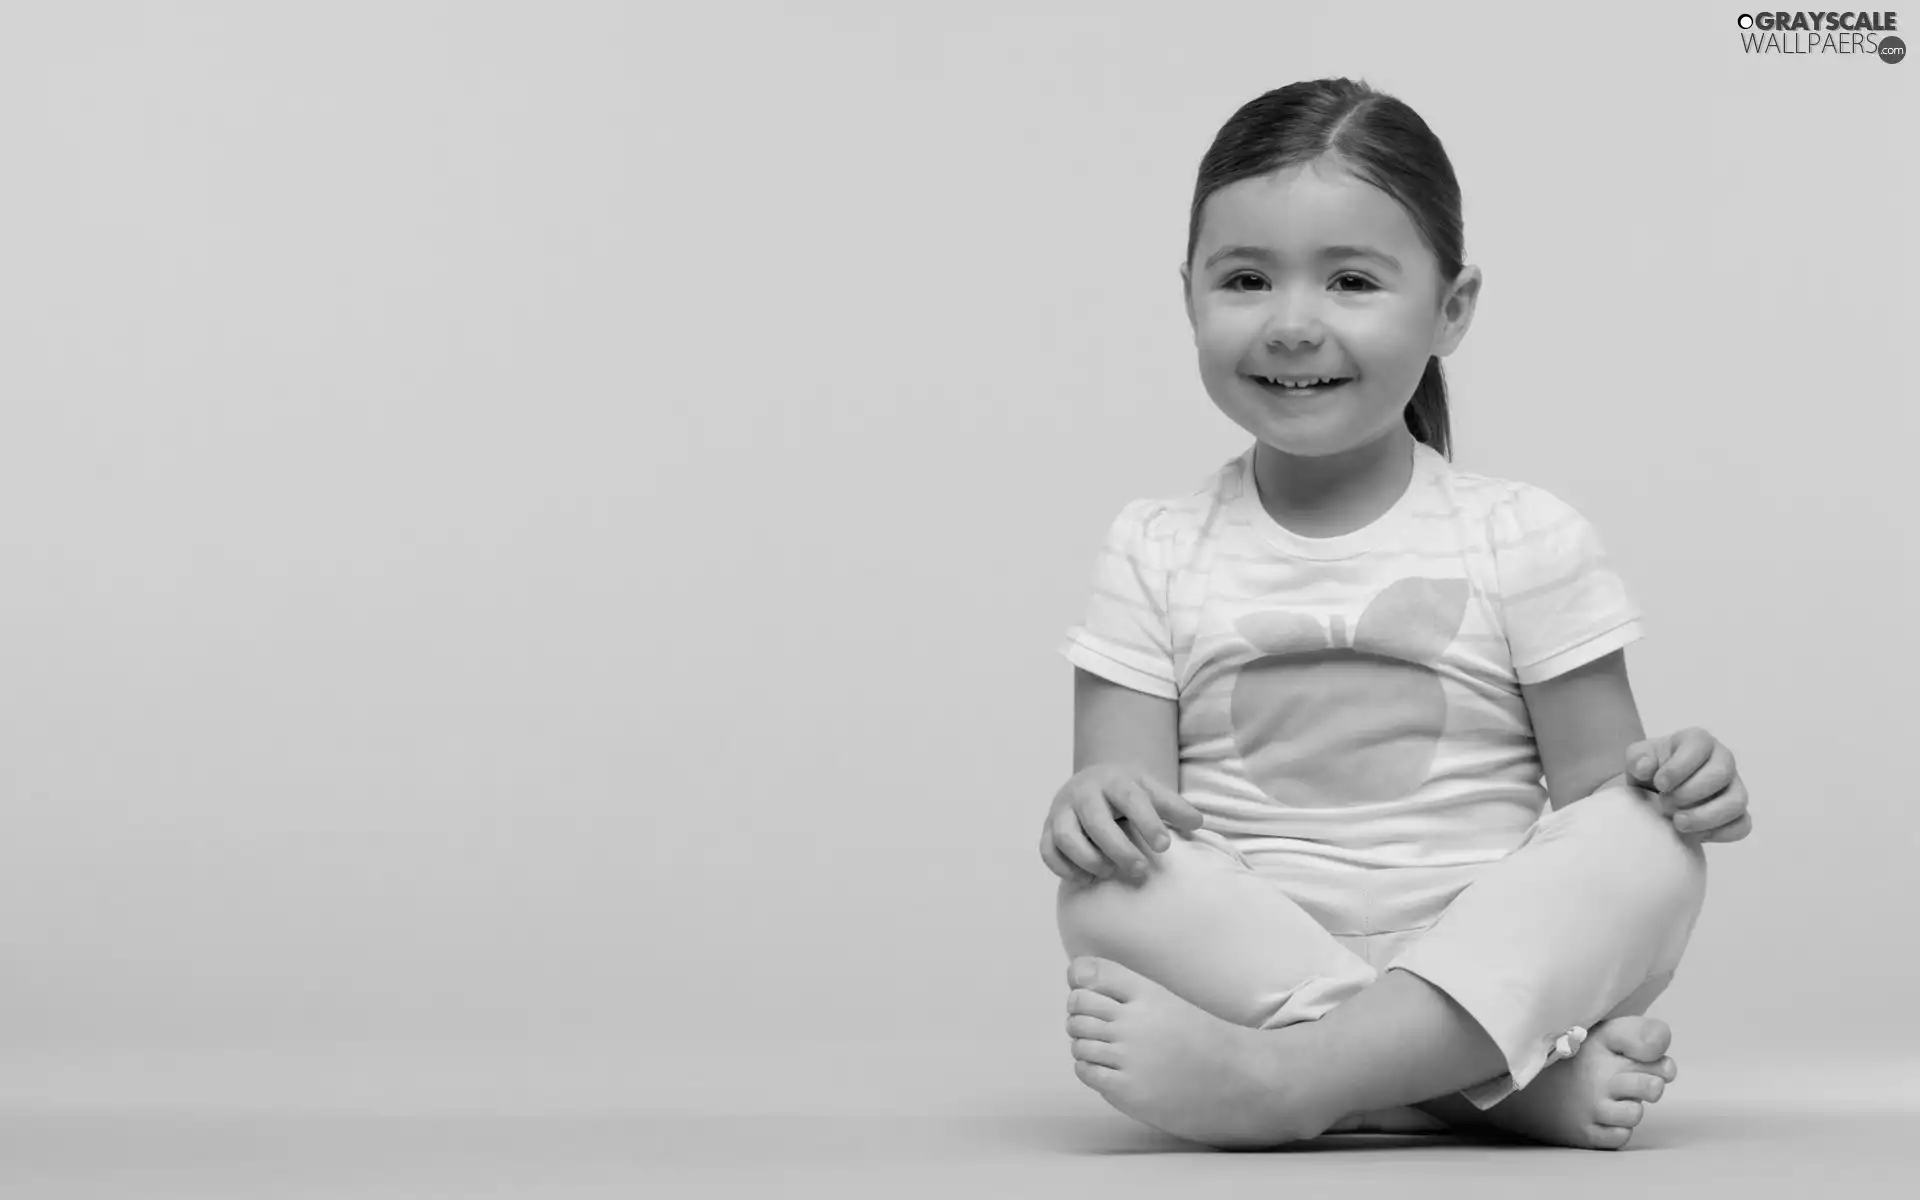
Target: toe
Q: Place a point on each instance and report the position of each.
(1637, 1085)
(1621, 1114)
(1105, 976)
(1608, 1137)
(1100, 1079)
(1643, 1039)
(1104, 1054)
(1666, 1069)
(1098, 1030)
(1086, 1002)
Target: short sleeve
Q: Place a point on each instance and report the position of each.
(1124, 635)
(1563, 603)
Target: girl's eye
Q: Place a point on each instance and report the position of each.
(1364, 283)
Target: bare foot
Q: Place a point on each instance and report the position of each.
(1594, 1099)
(1176, 1067)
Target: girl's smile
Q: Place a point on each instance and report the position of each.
(1316, 386)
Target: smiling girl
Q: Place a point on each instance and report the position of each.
(1364, 830)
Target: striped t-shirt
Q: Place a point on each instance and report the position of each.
(1350, 709)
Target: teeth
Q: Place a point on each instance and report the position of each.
(1304, 383)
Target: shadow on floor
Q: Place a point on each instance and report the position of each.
(1005, 1154)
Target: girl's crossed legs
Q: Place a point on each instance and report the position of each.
(1209, 1004)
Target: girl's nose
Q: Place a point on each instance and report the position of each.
(1293, 323)
(1294, 335)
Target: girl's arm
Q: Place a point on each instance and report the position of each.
(1123, 796)
(1583, 722)
(1115, 724)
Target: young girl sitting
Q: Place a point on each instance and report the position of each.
(1309, 882)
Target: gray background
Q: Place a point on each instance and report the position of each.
(535, 536)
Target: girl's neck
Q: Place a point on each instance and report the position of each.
(1337, 494)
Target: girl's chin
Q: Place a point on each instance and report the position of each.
(1304, 436)
(1300, 432)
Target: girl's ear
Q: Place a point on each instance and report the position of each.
(1186, 297)
(1456, 310)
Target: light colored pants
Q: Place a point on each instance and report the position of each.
(1585, 920)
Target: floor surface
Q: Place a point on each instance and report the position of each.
(1846, 1133)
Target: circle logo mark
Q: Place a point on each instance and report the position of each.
(1892, 50)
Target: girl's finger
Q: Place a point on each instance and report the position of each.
(1729, 806)
(1057, 862)
(1691, 748)
(1731, 832)
(1137, 807)
(1173, 806)
(1714, 776)
(1051, 856)
(1097, 819)
(1073, 843)
(1643, 758)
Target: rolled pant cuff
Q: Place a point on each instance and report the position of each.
(1527, 1054)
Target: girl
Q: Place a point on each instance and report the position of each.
(1338, 671)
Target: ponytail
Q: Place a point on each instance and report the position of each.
(1426, 413)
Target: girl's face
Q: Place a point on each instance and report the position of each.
(1310, 272)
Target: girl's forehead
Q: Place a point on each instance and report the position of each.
(1300, 209)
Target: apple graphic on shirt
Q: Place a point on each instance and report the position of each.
(1322, 720)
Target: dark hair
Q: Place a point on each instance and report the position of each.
(1381, 140)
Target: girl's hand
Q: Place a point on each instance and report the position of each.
(1086, 835)
(1698, 785)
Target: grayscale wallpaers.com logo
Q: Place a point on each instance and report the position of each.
(1868, 34)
